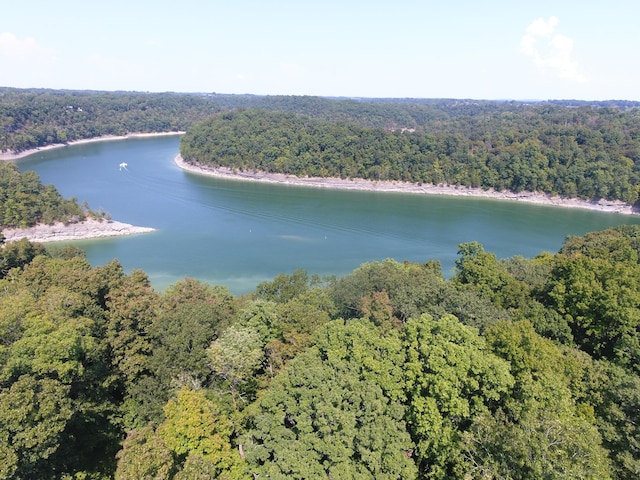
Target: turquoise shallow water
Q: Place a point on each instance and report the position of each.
(238, 234)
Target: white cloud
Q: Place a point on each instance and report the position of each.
(20, 50)
(551, 52)
(542, 28)
(25, 63)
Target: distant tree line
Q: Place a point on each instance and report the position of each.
(31, 118)
(572, 148)
(585, 152)
(515, 368)
(35, 118)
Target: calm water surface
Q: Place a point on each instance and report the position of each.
(238, 234)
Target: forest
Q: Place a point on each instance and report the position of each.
(32, 118)
(584, 153)
(512, 368)
(25, 201)
(515, 368)
(589, 150)
(518, 368)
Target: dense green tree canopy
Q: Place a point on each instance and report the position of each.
(576, 149)
(336, 411)
(514, 368)
(452, 378)
(586, 153)
(25, 201)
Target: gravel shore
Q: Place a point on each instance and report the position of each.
(426, 189)
(10, 155)
(59, 232)
(87, 229)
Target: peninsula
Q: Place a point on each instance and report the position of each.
(609, 206)
(546, 161)
(76, 227)
(62, 232)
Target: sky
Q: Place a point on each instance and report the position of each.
(471, 49)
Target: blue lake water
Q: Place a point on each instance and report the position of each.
(238, 234)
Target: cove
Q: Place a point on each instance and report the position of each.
(240, 233)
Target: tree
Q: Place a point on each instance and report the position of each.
(193, 426)
(613, 395)
(539, 431)
(144, 456)
(334, 411)
(284, 287)
(451, 379)
(296, 321)
(601, 301)
(235, 358)
(18, 254)
(51, 347)
(483, 272)
(33, 416)
(191, 316)
(132, 308)
(542, 444)
(411, 288)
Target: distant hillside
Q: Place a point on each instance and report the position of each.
(31, 118)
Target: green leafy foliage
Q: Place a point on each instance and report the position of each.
(25, 201)
(132, 309)
(515, 368)
(192, 316)
(35, 118)
(236, 357)
(451, 379)
(555, 150)
(596, 285)
(539, 431)
(335, 411)
(144, 455)
(410, 288)
(192, 442)
(193, 426)
(33, 415)
(55, 368)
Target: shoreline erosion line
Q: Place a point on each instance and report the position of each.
(88, 229)
(8, 155)
(606, 206)
(93, 229)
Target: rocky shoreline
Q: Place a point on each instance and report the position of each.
(87, 229)
(11, 155)
(608, 206)
(59, 232)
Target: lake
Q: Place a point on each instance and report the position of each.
(238, 233)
